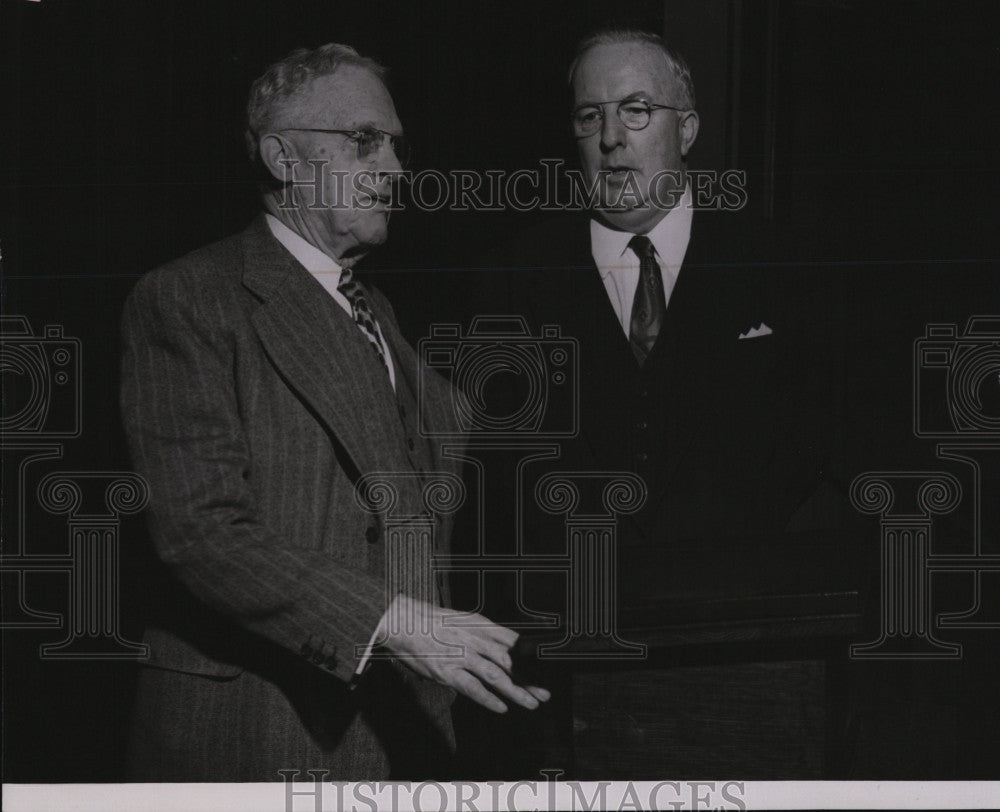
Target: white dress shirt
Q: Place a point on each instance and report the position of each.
(619, 266)
(327, 272)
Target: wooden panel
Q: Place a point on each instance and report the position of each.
(760, 720)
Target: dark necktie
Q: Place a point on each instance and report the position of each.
(650, 304)
(354, 292)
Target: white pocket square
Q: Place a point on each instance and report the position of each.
(756, 332)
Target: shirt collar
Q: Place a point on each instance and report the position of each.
(311, 258)
(609, 246)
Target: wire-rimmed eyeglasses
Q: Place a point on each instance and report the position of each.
(635, 114)
(367, 141)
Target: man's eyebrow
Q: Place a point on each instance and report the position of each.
(634, 96)
(369, 125)
(361, 125)
(639, 94)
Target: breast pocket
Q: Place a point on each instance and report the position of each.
(750, 370)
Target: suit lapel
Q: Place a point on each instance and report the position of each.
(572, 296)
(319, 351)
(684, 352)
(701, 327)
(433, 392)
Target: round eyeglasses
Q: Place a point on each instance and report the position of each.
(367, 141)
(635, 114)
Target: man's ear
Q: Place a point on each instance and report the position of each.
(277, 154)
(689, 131)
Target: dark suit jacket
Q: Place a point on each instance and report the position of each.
(749, 428)
(740, 446)
(253, 403)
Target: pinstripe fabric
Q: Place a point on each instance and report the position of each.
(252, 403)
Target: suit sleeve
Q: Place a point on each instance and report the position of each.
(181, 416)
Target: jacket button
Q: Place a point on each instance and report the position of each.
(642, 425)
(372, 535)
(642, 456)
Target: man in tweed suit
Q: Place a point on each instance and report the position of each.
(260, 382)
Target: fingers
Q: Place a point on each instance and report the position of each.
(490, 640)
(499, 634)
(496, 679)
(541, 694)
(484, 671)
(495, 653)
(481, 636)
(495, 666)
(479, 626)
(467, 684)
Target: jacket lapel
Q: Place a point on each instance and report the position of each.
(569, 293)
(684, 351)
(319, 351)
(433, 392)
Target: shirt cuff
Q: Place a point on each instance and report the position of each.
(366, 656)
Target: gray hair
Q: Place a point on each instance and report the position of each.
(616, 36)
(289, 76)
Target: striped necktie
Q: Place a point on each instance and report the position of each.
(354, 292)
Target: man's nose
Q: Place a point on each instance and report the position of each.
(388, 162)
(387, 169)
(613, 131)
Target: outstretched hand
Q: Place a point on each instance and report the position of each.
(470, 654)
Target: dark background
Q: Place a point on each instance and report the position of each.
(868, 130)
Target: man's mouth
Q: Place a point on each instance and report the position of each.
(375, 201)
(617, 173)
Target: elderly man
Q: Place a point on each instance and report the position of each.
(712, 378)
(260, 382)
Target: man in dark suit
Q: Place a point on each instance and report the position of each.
(714, 378)
(260, 383)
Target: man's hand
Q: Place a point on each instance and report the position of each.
(473, 658)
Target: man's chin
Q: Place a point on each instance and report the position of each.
(364, 245)
(634, 219)
(377, 230)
